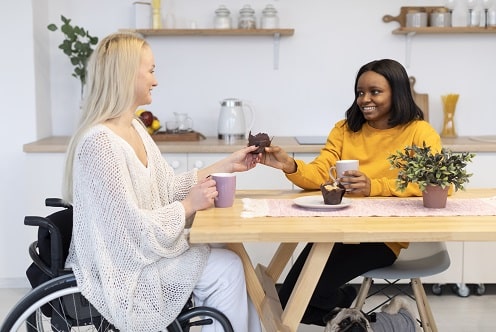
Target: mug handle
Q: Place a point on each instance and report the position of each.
(333, 168)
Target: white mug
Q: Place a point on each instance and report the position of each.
(343, 166)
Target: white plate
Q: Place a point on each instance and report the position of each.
(317, 202)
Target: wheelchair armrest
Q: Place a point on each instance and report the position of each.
(33, 253)
(57, 202)
(57, 261)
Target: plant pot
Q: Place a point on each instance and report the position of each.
(435, 197)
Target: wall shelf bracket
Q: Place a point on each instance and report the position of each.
(277, 42)
(408, 48)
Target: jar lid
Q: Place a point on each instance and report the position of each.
(247, 10)
(440, 10)
(269, 9)
(222, 10)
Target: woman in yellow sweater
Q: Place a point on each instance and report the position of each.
(382, 119)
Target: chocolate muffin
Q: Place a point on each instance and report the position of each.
(262, 140)
(332, 193)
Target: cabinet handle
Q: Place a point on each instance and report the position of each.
(199, 163)
(175, 164)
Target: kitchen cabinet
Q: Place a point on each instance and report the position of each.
(178, 161)
(275, 33)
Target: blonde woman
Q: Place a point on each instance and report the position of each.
(129, 251)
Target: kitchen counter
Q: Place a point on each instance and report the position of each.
(58, 144)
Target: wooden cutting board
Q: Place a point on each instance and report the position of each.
(421, 99)
(401, 18)
(163, 136)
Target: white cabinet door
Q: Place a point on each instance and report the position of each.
(178, 161)
(478, 263)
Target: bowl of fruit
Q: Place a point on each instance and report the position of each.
(150, 121)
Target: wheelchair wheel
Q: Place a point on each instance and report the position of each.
(56, 305)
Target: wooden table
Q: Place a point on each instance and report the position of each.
(226, 226)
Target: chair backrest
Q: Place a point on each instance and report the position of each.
(52, 247)
(420, 250)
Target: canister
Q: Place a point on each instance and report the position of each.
(142, 15)
(440, 17)
(416, 19)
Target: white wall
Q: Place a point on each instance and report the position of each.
(310, 91)
(317, 65)
(17, 95)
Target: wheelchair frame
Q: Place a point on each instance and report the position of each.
(57, 304)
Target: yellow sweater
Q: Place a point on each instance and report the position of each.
(371, 147)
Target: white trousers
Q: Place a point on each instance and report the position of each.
(222, 286)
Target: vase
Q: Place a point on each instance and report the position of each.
(449, 107)
(435, 197)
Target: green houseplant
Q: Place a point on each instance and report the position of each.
(418, 164)
(77, 45)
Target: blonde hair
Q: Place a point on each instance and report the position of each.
(109, 91)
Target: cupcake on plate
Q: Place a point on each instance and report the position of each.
(332, 192)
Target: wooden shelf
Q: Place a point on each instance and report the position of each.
(441, 30)
(275, 33)
(213, 32)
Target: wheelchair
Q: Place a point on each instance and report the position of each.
(55, 302)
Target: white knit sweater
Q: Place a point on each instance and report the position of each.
(129, 251)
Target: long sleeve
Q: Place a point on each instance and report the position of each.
(129, 251)
(371, 147)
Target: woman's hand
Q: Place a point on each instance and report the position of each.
(244, 160)
(200, 197)
(356, 183)
(239, 161)
(276, 157)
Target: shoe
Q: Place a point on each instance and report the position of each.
(347, 295)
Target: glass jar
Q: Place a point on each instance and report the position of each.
(269, 19)
(222, 18)
(247, 18)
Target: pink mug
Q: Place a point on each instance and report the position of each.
(226, 187)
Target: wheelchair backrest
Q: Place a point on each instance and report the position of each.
(54, 238)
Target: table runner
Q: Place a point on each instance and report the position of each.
(371, 207)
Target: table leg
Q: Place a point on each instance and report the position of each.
(309, 276)
(280, 260)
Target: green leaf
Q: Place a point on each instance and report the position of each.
(77, 45)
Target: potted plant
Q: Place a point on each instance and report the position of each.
(432, 172)
(77, 45)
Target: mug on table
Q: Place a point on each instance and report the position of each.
(341, 167)
(226, 187)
